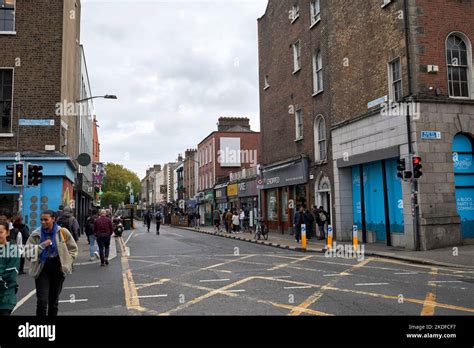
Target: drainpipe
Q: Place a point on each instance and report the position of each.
(409, 98)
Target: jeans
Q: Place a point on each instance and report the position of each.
(158, 225)
(104, 247)
(241, 225)
(49, 285)
(322, 232)
(92, 249)
(298, 233)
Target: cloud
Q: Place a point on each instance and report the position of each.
(176, 67)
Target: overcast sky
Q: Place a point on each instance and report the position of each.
(176, 66)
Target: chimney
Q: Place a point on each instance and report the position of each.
(233, 124)
(157, 167)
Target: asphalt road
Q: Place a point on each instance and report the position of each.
(182, 272)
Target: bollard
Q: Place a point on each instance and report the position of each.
(303, 237)
(329, 246)
(355, 237)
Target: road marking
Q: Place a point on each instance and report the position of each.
(152, 296)
(334, 275)
(371, 284)
(130, 236)
(214, 280)
(241, 290)
(304, 310)
(24, 299)
(226, 263)
(81, 287)
(406, 273)
(160, 282)
(73, 301)
(297, 287)
(289, 263)
(445, 281)
(429, 305)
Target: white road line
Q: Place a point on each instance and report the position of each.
(331, 275)
(214, 280)
(297, 287)
(73, 301)
(151, 296)
(81, 287)
(234, 290)
(370, 284)
(24, 299)
(130, 236)
(445, 281)
(406, 273)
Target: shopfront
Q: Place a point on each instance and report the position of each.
(233, 196)
(221, 197)
(248, 197)
(286, 188)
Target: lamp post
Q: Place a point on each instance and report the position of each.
(107, 96)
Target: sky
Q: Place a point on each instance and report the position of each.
(176, 67)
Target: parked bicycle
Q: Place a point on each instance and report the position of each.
(261, 230)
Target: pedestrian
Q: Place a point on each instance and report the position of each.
(158, 218)
(69, 222)
(15, 236)
(228, 218)
(197, 220)
(9, 264)
(217, 220)
(300, 219)
(148, 217)
(103, 230)
(52, 251)
(224, 220)
(25, 234)
(310, 223)
(321, 219)
(235, 222)
(241, 220)
(191, 217)
(93, 248)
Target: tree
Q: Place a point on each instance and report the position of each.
(117, 184)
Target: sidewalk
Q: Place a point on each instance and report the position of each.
(84, 256)
(439, 257)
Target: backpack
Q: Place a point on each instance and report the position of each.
(90, 225)
(158, 217)
(65, 222)
(322, 216)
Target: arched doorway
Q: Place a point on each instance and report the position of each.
(322, 195)
(463, 150)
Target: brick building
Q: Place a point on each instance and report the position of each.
(38, 72)
(190, 172)
(390, 67)
(294, 111)
(234, 146)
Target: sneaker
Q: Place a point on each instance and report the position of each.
(97, 255)
(92, 259)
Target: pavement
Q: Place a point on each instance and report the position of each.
(458, 257)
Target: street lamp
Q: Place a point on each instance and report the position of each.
(107, 96)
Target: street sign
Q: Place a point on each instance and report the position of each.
(25, 122)
(377, 102)
(430, 135)
(260, 184)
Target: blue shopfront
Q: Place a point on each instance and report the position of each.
(463, 150)
(56, 189)
(378, 201)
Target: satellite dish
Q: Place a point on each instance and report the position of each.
(84, 159)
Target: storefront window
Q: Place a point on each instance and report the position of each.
(272, 205)
(300, 193)
(284, 205)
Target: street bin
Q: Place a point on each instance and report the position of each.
(127, 224)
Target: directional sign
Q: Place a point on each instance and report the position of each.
(25, 122)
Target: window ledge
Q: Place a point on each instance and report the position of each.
(318, 92)
(320, 163)
(6, 135)
(296, 71)
(460, 98)
(7, 32)
(314, 23)
(298, 139)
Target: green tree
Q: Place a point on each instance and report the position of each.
(117, 184)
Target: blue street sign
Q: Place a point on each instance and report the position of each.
(430, 135)
(25, 122)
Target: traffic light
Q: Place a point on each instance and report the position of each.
(404, 173)
(417, 167)
(19, 174)
(35, 177)
(10, 175)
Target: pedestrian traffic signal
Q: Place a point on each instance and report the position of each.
(404, 173)
(19, 174)
(417, 167)
(11, 175)
(35, 177)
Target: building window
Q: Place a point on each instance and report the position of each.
(296, 57)
(7, 15)
(294, 13)
(320, 139)
(6, 92)
(317, 72)
(272, 205)
(315, 11)
(459, 63)
(267, 82)
(395, 80)
(299, 124)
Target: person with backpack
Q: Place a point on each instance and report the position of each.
(93, 248)
(52, 251)
(69, 222)
(25, 234)
(9, 264)
(321, 219)
(158, 218)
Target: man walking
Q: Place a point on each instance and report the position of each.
(228, 219)
(103, 230)
(52, 251)
(148, 220)
(69, 222)
(321, 219)
(90, 234)
(300, 219)
(158, 218)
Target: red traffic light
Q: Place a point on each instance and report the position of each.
(416, 160)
